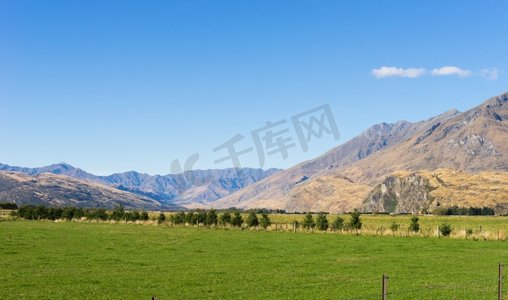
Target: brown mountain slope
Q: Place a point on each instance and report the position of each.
(59, 190)
(426, 190)
(277, 191)
(473, 141)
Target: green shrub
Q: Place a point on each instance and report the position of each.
(211, 217)
(237, 219)
(225, 218)
(355, 222)
(337, 224)
(469, 231)
(252, 220)
(265, 221)
(308, 222)
(414, 226)
(445, 229)
(161, 218)
(321, 222)
(394, 227)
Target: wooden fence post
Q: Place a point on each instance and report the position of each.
(385, 287)
(500, 282)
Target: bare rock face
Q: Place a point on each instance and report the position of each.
(409, 194)
(413, 192)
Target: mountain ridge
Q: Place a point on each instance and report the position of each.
(61, 190)
(281, 185)
(168, 189)
(472, 141)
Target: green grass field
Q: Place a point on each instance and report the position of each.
(72, 260)
(484, 227)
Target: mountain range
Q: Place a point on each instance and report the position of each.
(455, 158)
(342, 179)
(59, 190)
(190, 189)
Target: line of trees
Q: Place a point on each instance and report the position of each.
(464, 211)
(321, 222)
(8, 205)
(212, 218)
(32, 212)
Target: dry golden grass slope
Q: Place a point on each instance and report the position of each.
(452, 187)
(405, 191)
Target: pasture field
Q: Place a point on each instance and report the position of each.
(85, 260)
(482, 226)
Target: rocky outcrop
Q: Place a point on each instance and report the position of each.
(408, 194)
(424, 191)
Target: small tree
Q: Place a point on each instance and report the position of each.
(136, 215)
(188, 217)
(178, 218)
(445, 229)
(68, 213)
(118, 213)
(79, 213)
(128, 216)
(225, 218)
(201, 217)
(308, 221)
(265, 221)
(144, 216)
(321, 222)
(161, 218)
(338, 223)
(414, 226)
(211, 217)
(252, 220)
(237, 219)
(394, 227)
(355, 222)
(101, 214)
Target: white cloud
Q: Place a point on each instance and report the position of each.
(490, 74)
(384, 72)
(451, 70)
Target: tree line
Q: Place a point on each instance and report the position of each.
(321, 222)
(464, 211)
(211, 217)
(207, 218)
(8, 205)
(32, 212)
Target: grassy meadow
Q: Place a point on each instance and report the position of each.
(483, 227)
(87, 260)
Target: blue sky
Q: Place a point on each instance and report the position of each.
(112, 86)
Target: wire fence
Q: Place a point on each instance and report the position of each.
(463, 286)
